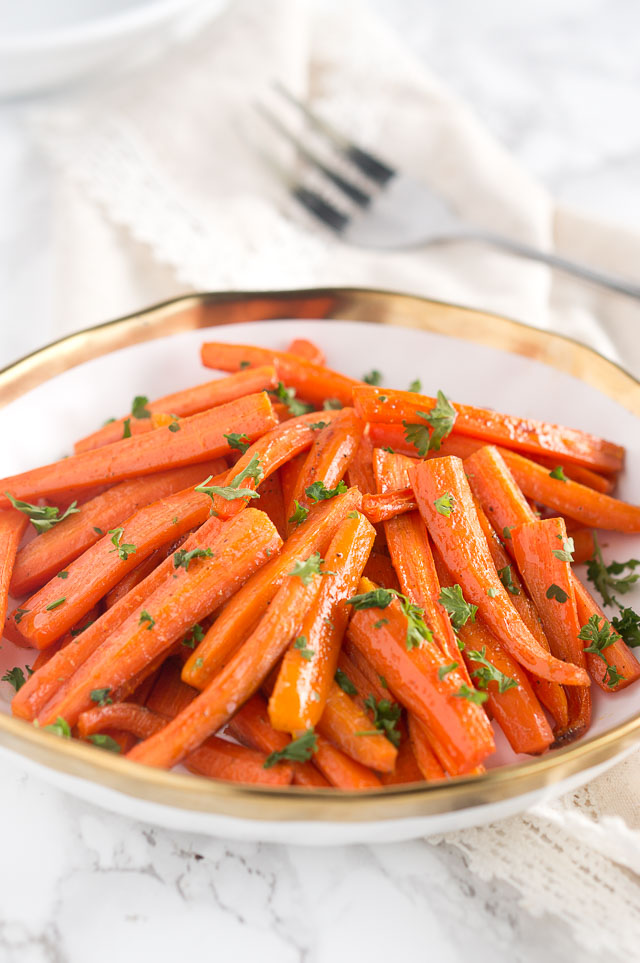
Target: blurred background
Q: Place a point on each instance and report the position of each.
(126, 175)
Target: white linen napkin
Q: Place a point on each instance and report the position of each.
(159, 193)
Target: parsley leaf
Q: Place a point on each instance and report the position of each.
(628, 625)
(600, 637)
(604, 576)
(182, 558)
(565, 554)
(487, 672)
(380, 623)
(318, 425)
(460, 611)
(174, 426)
(445, 504)
(101, 696)
(195, 634)
(123, 550)
(60, 727)
(307, 569)
(373, 378)
(380, 598)
(506, 577)
(416, 386)
(54, 605)
(318, 492)
(19, 614)
(345, 683)
(138, 407)
(332, 404)
(233, 490)
(126, 428)
(62, 575)
(612, 677)
(471, 695)
(377, 599)
(418, 436)
(558, 473)
(238, 442)
(555, 592)
(288, 397)
(446, 669)
(385, 717)
(506, 531)
(145, 617)
(300, 514)
(103, 741)
(42, 517)
(301, 644)
(15, 677)
(298, 750)
(441, 418)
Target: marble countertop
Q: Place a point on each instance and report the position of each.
(559, 84)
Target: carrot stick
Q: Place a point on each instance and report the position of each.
(239, 617)
(41, 687)
(427, 761)
(387, 505)
(52, 551)
(200, 438)
(537, 547)
(331, 452)
(454, 527)
(360, 470)
(522, 434)
(134, 577)
(407, 769)
(307, 670)
(242, 675)
(361, 673)
(62, 602)
(250, 725)
(569, 497)
(242, 545)
(460, 727)
(289, 473)
(127, 716)
(303, 348)
(12, 527)
(313, 382)
(191, 401)
(272, 502)
(341, 770)
(618, 655)
(578, 473)
(351, 730)
(380, 570)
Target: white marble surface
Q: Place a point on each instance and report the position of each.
(559, 83)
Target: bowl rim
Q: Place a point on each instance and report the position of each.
(259, 803)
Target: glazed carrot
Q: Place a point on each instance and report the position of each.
(313, 382)
(380, 570)
(289, 473)
(350, 729)
(455, 530)
(341, 770)
(585, 476)
(127, 716)
(523, 434)
(308, 667)
(40, 688)
(428, 765)
(272, 502)
(361, 673)
(360, 470)
(407, 769)
(200, 438)
(543, 557)
(242, 675)
(134, 577)
(241, 546)
(303, 348)
(62, 602)
(387, 505)
(191, 401)
(12, 528)
(331, 452)
(239, 617)
(587, 506)
(410, 551)
(52, 551)
(618, 655)
(250, 725)
(460, 727)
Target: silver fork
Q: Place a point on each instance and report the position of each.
(389, 210)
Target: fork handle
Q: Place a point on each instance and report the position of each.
(571, 267)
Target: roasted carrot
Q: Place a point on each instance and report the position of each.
(200, 438)
(407, 769)
(307, 670)
(241, 546)
(272, 502)
(617, 654)
(313, 382)
(446, 504)
(386, 505)
(350, 729)
(459, 727)
(578, 473)
(341, 770)
(239, 617)
(332, 449)
(426, 759)
(303, 348)
(191, 401)
(360, 470)
(379, 569)
(134, 577)
(52, 551)
(289, 473)
(12, 527)
(523, 434)
(359, 671)
(40, 688)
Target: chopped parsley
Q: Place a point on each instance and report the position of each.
(298, 750)
(101, 696)
(627, 624)
(416, 386)
(42, 517)
(446, 669)
(145, 617)
(103, 741)
(56, 604)
(15, 677)
(125, 549)
(307, 569)
(318, 492)
(345, 683)
(445, 504)
(126, 428)
(558, 473)
(373, 378)
(19, 614)
(599, 637)
(440, 418)
(378, 598)
(238, 442)
(487, 672)
(62, 575)
(460, 611)
(299, 515)
(506, 577)
(138, 407)
(471, 695)
(288, 397)
(565, 554)
(506, 531)
(182, 558)
(385, 717)
(318, 425)
(332, 404)
(195, 634)
(97, 530)
(555, 592)
(605, 577)
(380, 623)
(174, 426)
(60, 728)
(353, 514)
(302, 645)
(233, 490)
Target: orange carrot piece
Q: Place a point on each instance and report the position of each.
(536, 546)
(387, 505)
(341, 770)
(407, 769)
(52, 551)
(618, 654)
(427, 761)
(583, 545)
(360, 470)
(331, 452)
(41, 687)
(523, 434)
(303, 348)
(239, 617)
(360, 671)
(12, 528)
(454, 527)
(134, 577)
(460, 727)
(289, 473)
(379, 569)
(313, 382)
(350, 729)
(272, 502)
(127, 716)
(587, 506)
(585, 476)
(307, 669)
(191, 401)
(62, 602)
(242, 545)
(200, 438)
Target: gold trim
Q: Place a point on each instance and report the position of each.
(263, 803)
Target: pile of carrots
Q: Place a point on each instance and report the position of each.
(286, 575)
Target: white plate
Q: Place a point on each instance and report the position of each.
(41, 425)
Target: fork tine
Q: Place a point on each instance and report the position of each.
(367, 163)
(352, 191)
